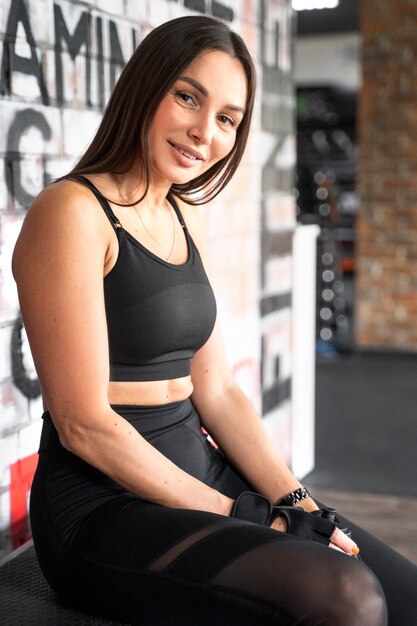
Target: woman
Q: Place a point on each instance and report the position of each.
(135, 515)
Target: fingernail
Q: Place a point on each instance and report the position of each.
(355, 550)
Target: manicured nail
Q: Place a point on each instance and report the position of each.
(355, 550)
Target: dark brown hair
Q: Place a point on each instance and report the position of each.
(122, 137)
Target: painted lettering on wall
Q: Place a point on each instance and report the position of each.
(277, 182)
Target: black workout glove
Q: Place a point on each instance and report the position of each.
(317, 526)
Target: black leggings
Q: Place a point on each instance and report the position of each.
(108, 552)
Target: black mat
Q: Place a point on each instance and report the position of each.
(27, 600)
(366, 424)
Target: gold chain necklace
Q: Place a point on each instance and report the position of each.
(167, 257)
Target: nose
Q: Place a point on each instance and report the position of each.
(202, 130)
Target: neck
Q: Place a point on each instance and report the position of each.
(130, 188)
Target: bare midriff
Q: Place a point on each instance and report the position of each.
(150, 392)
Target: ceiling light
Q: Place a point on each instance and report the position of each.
(308, 5)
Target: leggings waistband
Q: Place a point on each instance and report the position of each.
(148, 418)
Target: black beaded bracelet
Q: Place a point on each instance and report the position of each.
(293, 498)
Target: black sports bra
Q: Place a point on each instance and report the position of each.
(158, 314)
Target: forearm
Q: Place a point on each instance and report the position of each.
(238, 430)
(114, 447)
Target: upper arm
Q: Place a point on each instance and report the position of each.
(58, 266)
(210, 371)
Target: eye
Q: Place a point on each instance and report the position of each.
(185, 97)
(227, 121)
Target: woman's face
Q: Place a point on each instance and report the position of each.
(196, 122)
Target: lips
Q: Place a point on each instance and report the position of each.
(189, 153)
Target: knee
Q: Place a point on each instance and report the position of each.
(359, 599)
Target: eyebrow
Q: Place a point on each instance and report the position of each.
(205, 93)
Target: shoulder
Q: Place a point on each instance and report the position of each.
(65, 204)
(65, 195)
(65, 213)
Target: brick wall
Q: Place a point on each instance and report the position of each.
(59, 61)
(387, 225)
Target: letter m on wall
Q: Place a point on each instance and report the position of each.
(80, 36)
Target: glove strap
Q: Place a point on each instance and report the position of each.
(252, 507)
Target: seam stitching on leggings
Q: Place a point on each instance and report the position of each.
(225, 564)
(234, 523)
(210, 530)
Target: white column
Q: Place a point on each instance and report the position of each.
(303, 349)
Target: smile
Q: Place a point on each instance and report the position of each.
(187, 152)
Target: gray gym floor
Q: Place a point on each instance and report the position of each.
(366, 423)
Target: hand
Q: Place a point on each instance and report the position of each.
(338, 540)
(280, 523)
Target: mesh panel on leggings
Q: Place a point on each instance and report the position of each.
(322, 586)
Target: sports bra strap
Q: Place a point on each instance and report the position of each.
(177, 211)
(107, 208)
(103, 201)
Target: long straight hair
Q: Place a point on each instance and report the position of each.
(122, 137)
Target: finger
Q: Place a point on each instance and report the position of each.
(344, 542)
(333, 547)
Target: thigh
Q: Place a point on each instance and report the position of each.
(147, 564)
